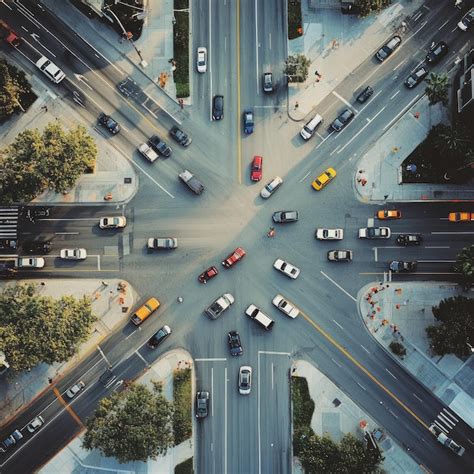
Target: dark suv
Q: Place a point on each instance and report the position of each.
(179, 136)
(37, 247)
(160, 146)
(218, 107)
(109, 123)
(342, 120)
(388, 48)
(233, 339)
(202, 402)
(409, 239)
(159, 337)
(437, 52)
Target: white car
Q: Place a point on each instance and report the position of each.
(201, 61)
(75, 389)
(375, 233)
(50, 70)
(245, 379)
(35, 424)
(117, 222)
(467, 20)
(73, 254)
(329, 234)
(286, 268)
(148, 152)
(30, 262)
(285, 306)
(271, 187)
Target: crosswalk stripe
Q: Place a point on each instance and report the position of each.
(9, 222)
(450, 415)
(446, 420)
(442, 428)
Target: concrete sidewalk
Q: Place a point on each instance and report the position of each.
(336, 414)
(400, 312)
(17, 393)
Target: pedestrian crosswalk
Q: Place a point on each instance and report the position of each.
(446, 421)
(9, 222)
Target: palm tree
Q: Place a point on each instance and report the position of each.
(437, 88)
(464, 266)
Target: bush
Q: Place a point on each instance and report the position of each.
(303, 406)
(295, 20)
(398, 349)
(182, 425)
(181, 48)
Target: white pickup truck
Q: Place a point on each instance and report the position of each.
(191, 182)
(148, 152)
(445, 441)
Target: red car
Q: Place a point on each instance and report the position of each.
(208, 274)
(234, 257)
(256, 171)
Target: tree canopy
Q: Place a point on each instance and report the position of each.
(38, 329)
(437, 86)
(455, 333)
(464, 267)
(53, 159)
(132, 425)
(297, 68)
(365, 7)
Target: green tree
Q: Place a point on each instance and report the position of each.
(133, 425)
(38, 329)
(13, 88)
(456, 329)
(297, 68)
(437, 88)
(464, 266)
(366, 7)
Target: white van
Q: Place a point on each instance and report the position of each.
(261, 318)
(50, 70)
(308, 130)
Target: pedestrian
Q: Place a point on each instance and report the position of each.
(296, 105)
(181, 103)
(50, 380)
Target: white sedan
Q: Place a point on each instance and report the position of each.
(75, 389)
(329, 234)
(201, 61)
(30, 262)
(286, 268)
(73, 254)
(117, 222)
(285, 306)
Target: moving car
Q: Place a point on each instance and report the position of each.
(12, 439)
(219, 305)
(365, 95)
(35, 424)
(282, 217)
(160, 146)
(323, 179)
(409, 239)
(73, 254)
(467, 20)
(202, 402)
(245, 379)
(387, 49)
(271, 187)
(235, 346)
(259, 317)
(374, 233)
(116, 222)
(159, 337)
(399, 266)
(40, 247)
(385, 214)
(234, 257)
(144, 311)
(50, 70)
(286, 268)
(218, 107)
(437, 52)
(344, 118)
(256, 168)
(30, 262)
(201, 60)
(208, 274)
(248, 122)
(416, 77)
(285, 306)
(75, 389)
(179, 136)
(329, 234)
(267, 82)
(148, 152)
(340, 255)
(461, 216)
(109, 123)
(157, 243)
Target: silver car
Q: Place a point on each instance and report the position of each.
(245, 380)
(271, 187)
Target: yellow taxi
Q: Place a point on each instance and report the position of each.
(323, 179)
(144, 311)
(385, 214)
(461, 216)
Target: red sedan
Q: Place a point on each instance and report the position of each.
(208, 274)
(234, 257)
(256, 170)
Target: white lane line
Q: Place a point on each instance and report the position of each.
(66, 233)
(436, 261)
(209, 62)
(256, 47)
(258, 417)
(375, 254)
(273, 368)
(334, 151)
(216, 359)
(337, 363)
(416, 32)
(441, 427)
(269, 39)
(368, 120)
(142, 358)
(339, 286)
(450, 414)
(399, 64)
(391, 374)
(418, 398)
(443, 25)
(395, 95)
(212, 391)
(344, 100)
(361, 386)
(225, 420)
(452, 233)
(305, 176)
(437, 247)
(275, 353)
(401, 112)
(364, 349)
(393, 414)
(446, 420)
(335, 322)
(98, 263)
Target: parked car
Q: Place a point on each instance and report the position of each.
(37, 247)
(218, 107)
(73, 254)
(416, 77)
(202, 402)
(109, 123)
(399, 266)
(365, 95)
(323, 179)
(12, 439)
(237, 255)
(201, 59)
(208, 274)
(387, 49)
(467, 20)
(148, 152)
(339, 255)
(282, 217)
(30, 262)
(219, 305)
(248, 122)
(75, 389)
(256, 168)
(159, 337)
(245, 380)
(271, 187)
(385, 214)
(268, 82)
(179, 136)
(235, 346)
(157, 243)
(35, 424)
(310, 127)
(409, 239)
(461, 216)
(374, 233)
(329, 234)
(115, 222)
(344, 118)
(437, 52)
(285, 306)
(160, 146)
(286, 268)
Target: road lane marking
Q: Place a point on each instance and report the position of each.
(344, 100)
(140, 356)
(335, 149)
(275, 353)
(238, 125)
(215, 359)
(66, 233)
(375, 254)
(391, 374)
(337, 363)
(225, 420)
(68, 408)
(401, 112)
(410, 274)
(212, 391)
(395, 95)
(365, 349)
(273, 368)
(399, 64)
(444, 24)
(418, 398)
(437, 247)
(436, 261)
(361, 386)
(452, 233)
(305, 176)
(335, 322)
(257, 45)
(339, 286)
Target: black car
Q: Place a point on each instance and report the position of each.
(418, 75)
(437, 52)
(109, 123)
(342, 120)
(409, 239)
(285, 216)
(365, 94)
(159, 337)
(202, 402)
(37, 247)
(8, 245)
(402, 267)
(218, 107)
(233, 339)
(160, 146)
(107, 378)
(388, 48)
(12, 440)
(179, 136)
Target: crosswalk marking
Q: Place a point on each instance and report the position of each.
(446, 421)
(9, 222)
